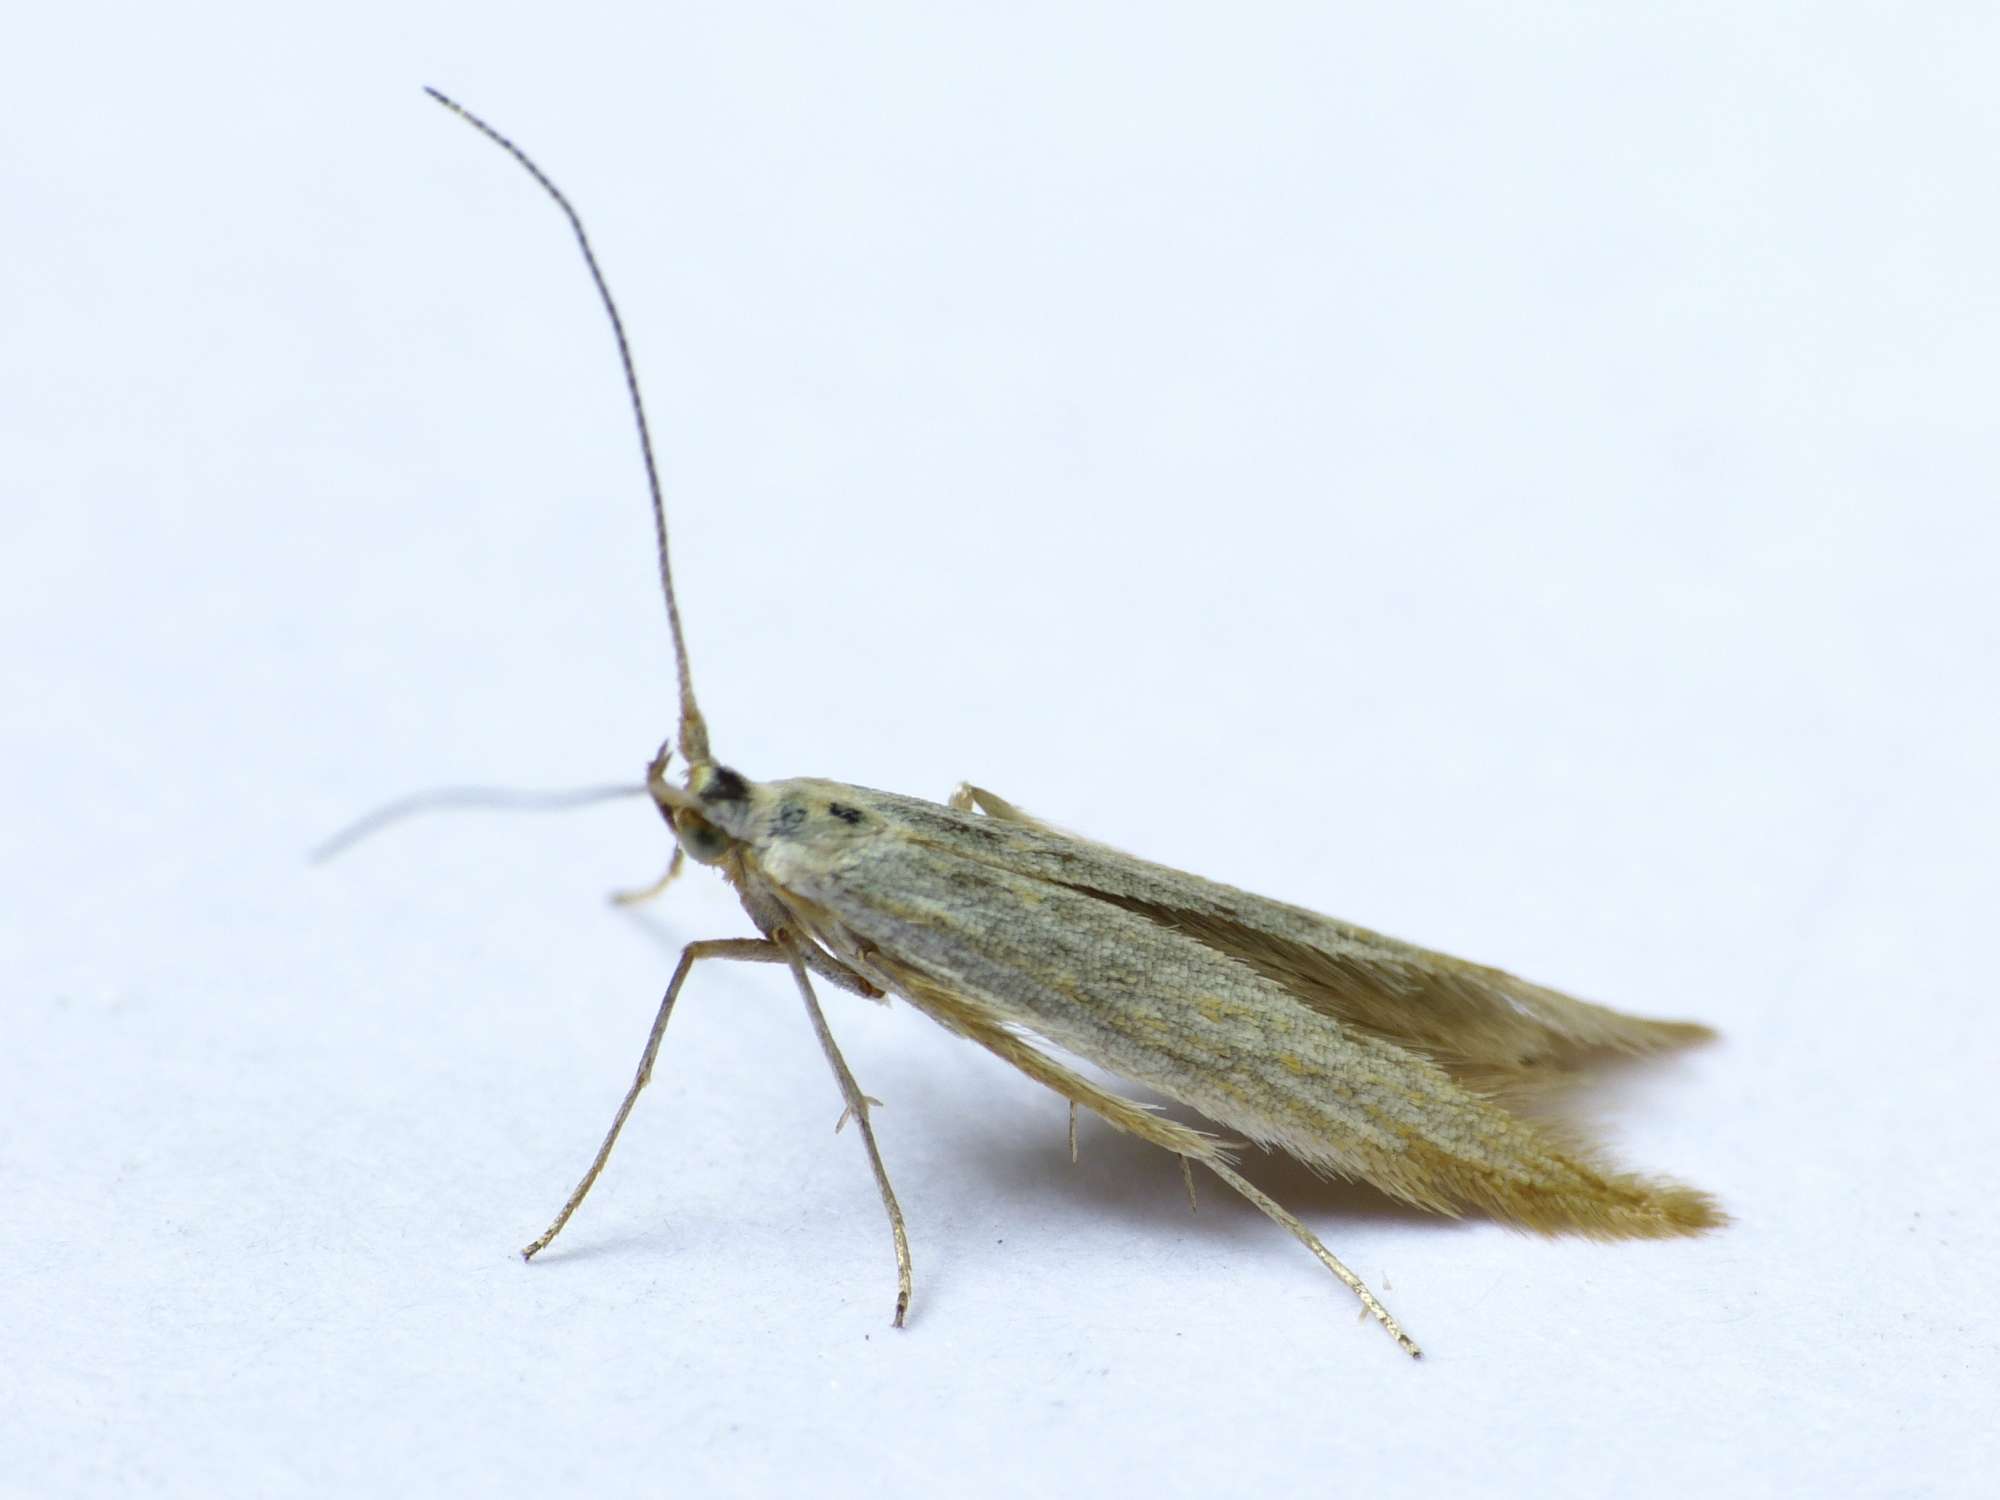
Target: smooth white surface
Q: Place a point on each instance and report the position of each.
(1519, 478)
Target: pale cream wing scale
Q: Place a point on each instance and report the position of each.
(1289, 1028)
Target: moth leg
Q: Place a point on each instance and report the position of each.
(1124, 1115)
(1310, 1240)
(857, 1108)
(848, 1114)
(745, 950)
(1187, 1177)
(973, 1023)
(647, 893)
(1072, 1132)
(968, 798)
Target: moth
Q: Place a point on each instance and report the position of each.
(1362, 1056)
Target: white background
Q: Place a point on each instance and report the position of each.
(1518, 477)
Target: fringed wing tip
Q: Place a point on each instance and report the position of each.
(1615, 1208)
(1661, 1210)
(1664, 1036)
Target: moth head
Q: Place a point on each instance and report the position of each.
(709, 814)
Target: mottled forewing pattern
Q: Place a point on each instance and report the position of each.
(1358, 1054)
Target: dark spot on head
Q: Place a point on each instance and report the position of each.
(723, 785)
(788, 818)
(843, 812)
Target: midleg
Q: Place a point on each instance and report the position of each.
(857, 1109)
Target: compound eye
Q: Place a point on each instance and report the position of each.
(704, 842)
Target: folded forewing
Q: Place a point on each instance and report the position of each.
(1018, 922)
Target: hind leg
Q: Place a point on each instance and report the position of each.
(1188, 1145)
(970, 798)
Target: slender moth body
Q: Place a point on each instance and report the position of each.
(1362, 1056)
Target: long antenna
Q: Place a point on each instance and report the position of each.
(694, 731)
(500, 797)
